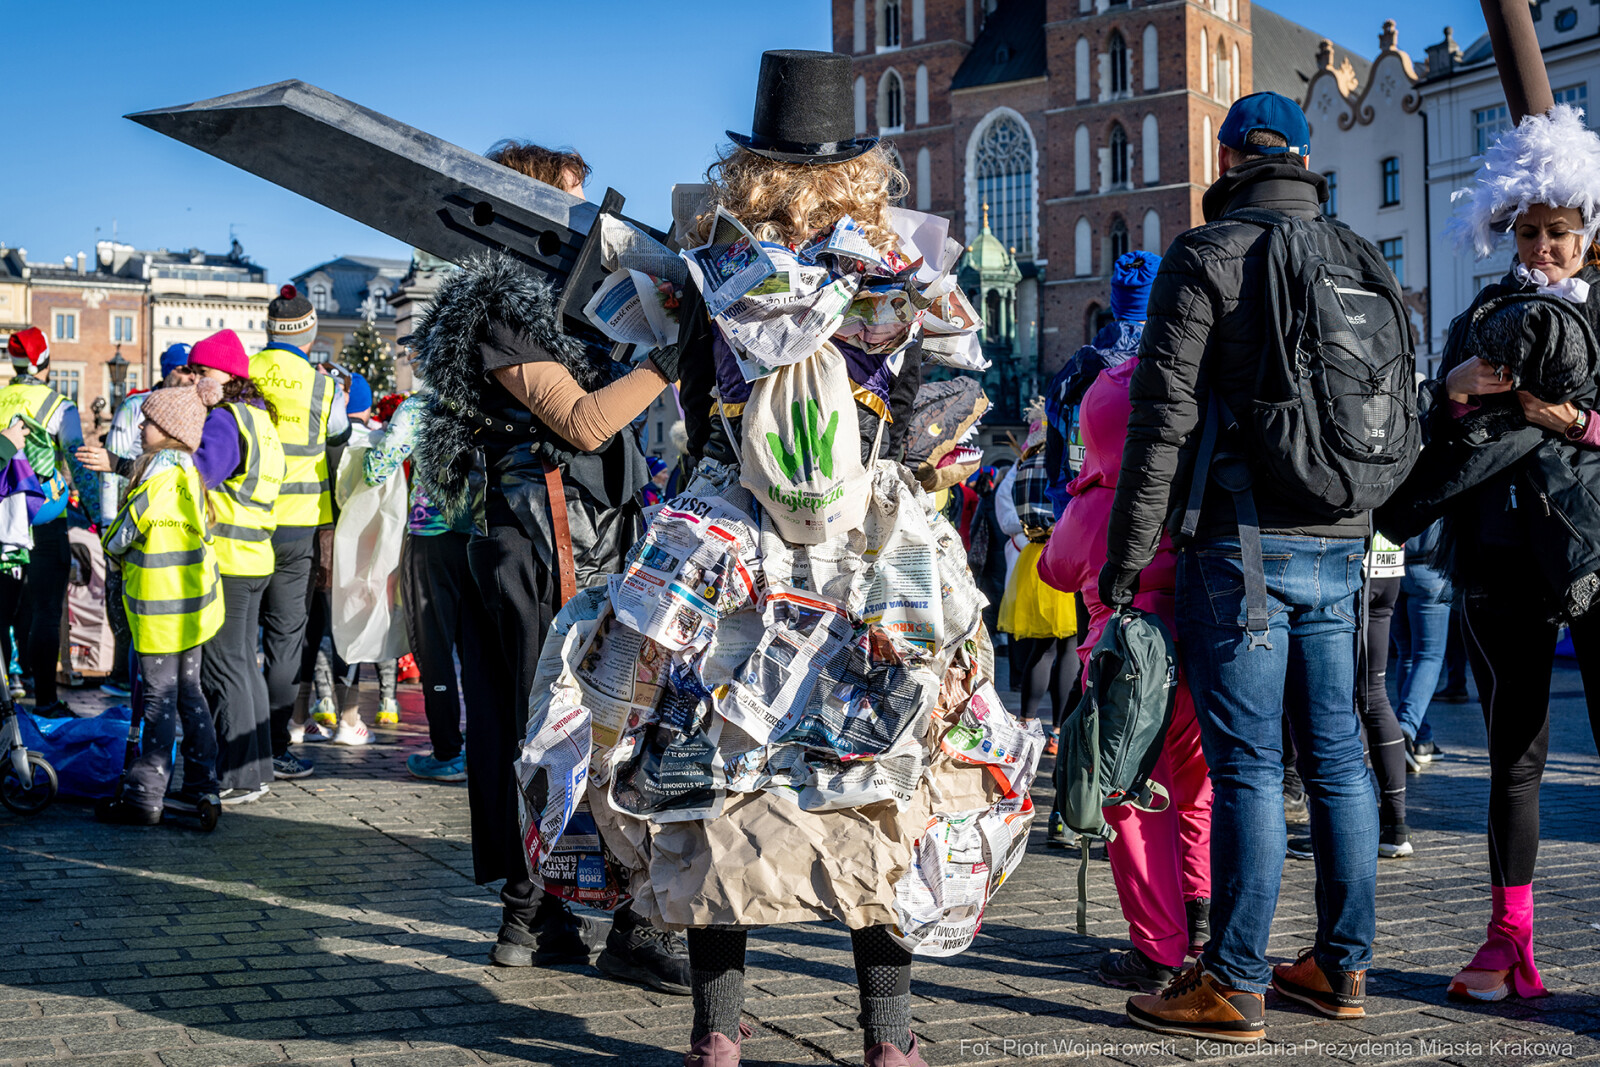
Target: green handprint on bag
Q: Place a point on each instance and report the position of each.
(812, 451)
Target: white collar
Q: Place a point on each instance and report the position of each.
(1574, 289)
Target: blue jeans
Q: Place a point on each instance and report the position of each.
(1313, 585)
(1425, 598)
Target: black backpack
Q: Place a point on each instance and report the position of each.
(1334, 421)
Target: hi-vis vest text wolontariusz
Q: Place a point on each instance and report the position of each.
(304, 400)
(243, 505)
(170, 582)
(38, 404)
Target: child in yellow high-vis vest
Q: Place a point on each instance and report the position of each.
(173, 593)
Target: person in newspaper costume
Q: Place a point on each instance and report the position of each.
(523, 427)
(782, 709)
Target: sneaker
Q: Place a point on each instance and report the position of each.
(1480, 985)
(1134, 970)
(716, 1050)
(230, 797)
(116, 689)
(1414, 759)
(55, 710)
(352, 733)
(325, 712)
(1427, 751)
(1295, 810)
(1052, 745)
(638, 952)
(289, 765)
(884, 1054)
(423, 765)
(1299, 848)
(1199, 910)
(18, 690)
(1198, 1004)
(1057, 836)
(550, 936)
(1394, 842)
(1340, 995)
(123, 813)
(389, 712)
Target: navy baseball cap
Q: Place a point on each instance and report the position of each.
(1266, 111)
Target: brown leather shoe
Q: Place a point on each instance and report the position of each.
(715, 1050)
(1199, 1004)
(1338, 996)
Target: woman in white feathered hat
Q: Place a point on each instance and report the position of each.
(1513, 466)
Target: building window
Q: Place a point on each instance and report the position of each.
(1391, 182)
(1151, 60)
(1152, 232)
(167, 321)
(180, 320)
(1394, 253)
(250, 325)
(222, 324)
(122, 329)
(66, 382)
(208, 323)
(1331, 207)
(889, 24)
(891, 103)
(66, 326)
(1566, 20)
(922, 95)
(1003, 169)
(1119, 242)
(1082, 263)
(924, 179)
(1117, 60)
(320, 297)
(1487, 124)
(1150, 145)
(1119, 157)
(1576, 95)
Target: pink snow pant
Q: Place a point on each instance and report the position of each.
(1160, 860)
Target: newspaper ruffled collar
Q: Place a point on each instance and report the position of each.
(1545, 159)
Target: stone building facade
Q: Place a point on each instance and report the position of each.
(1087, 126)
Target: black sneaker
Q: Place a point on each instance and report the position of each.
(1199, 911)
(1414, 760)
(56, 709)
(550, 937)
(637, 952)
(1394, 842)
(1057, 836)
(1295, 810)
(1299, 848)
(1427, 751)
(1134, 970)
(289, 765)
(123, 813)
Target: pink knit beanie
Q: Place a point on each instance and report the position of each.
(180, 411)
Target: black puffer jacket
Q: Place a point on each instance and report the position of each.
(1206, 329)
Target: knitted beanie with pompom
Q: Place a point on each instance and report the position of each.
(180, 411)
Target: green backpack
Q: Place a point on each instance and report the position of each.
(1112, 739)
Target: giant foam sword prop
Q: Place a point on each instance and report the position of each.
(1517, 58)
(411, 185)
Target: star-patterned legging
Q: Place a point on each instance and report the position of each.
(169, 686)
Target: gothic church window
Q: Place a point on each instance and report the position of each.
(889, 24)
(1119, 156)
(891, 102)
(1119, 242)
(1117, 52)
(1003, 169)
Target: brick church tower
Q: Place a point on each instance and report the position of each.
(1088, 127)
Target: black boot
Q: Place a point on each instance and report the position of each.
(637, 952)
(123, 813)
(546, 934)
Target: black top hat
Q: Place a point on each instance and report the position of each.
(805, 110)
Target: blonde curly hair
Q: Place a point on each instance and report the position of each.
(789, 203)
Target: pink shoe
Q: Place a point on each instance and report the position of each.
(887, 1055)
(715, 1050)
(1504, 965)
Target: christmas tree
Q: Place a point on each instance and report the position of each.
(368, 355)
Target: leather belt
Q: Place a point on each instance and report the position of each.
(563, 532)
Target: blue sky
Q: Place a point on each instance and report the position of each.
(644, 90)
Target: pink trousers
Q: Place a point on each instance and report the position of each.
(1160, 860)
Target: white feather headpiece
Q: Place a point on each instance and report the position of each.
(1545, 159)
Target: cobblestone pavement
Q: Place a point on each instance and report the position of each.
(336, 922)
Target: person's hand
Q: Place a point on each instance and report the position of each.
(1116, 588)
(1555, 417)
(17, 434)
(95, 458)
(1476, 378)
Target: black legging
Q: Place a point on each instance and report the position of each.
(1049, 668)
(1385, 742)
(1511, 645)
(716, 954)
(34, 605)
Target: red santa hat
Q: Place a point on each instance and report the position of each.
(28, 349)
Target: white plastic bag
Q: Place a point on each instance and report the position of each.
(368, 625)
(801, 455)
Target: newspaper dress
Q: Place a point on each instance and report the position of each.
(782, 710)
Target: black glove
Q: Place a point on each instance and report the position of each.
(1117, 587)
(666, 361)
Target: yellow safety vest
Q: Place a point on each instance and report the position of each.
(170, 582)
(37, 403)
(243, 505)
(304, 400)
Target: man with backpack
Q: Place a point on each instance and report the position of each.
(1273, 407)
